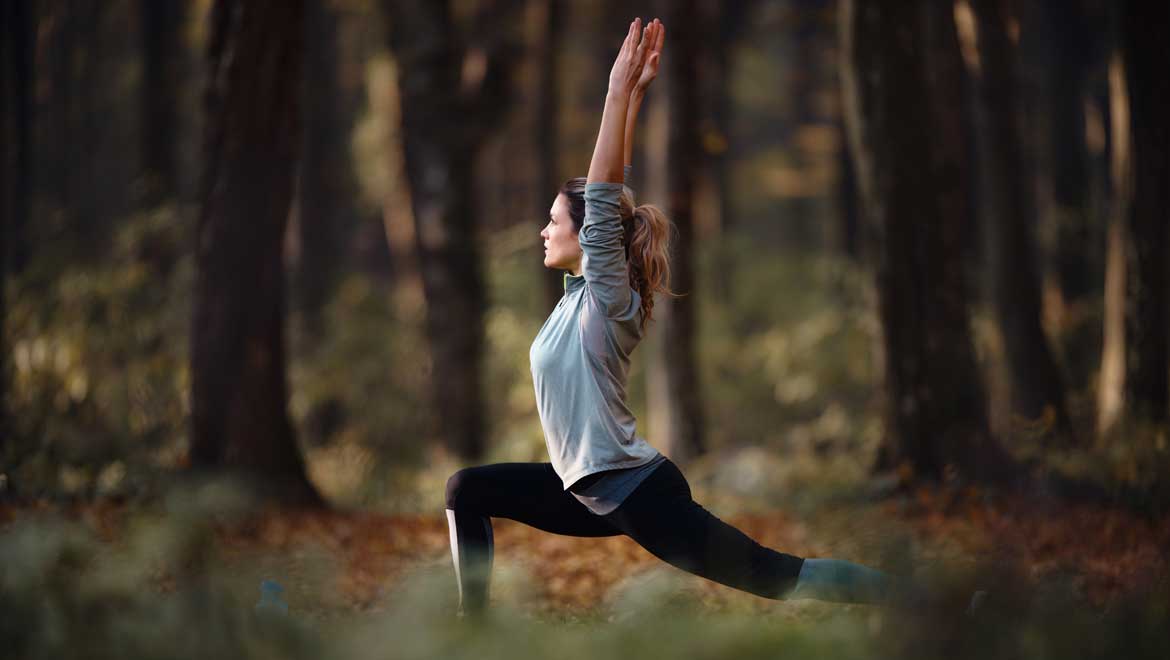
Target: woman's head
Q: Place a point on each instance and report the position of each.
(562, 250)
(645, 235)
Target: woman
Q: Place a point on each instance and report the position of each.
(603, 479)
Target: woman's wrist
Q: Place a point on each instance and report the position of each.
(619, 102)
(624, 92)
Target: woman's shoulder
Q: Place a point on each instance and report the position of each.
(632, 312)
(602, 333)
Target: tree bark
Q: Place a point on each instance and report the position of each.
(1038, 391)
(1111, 377)
(1078, 238)
(902, 91)
(15, 168)
(323, 182)
(161, 31)
(19, 32)
(70, 56)
(1145, 27)
(732, 18)
(445, 118)
(239, 385)
(548, 134)
(848, 211)
(1057, 39)
(673, 392)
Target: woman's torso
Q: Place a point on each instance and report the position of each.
(580, 362)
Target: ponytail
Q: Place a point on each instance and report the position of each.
(648, 256)
(646, 234)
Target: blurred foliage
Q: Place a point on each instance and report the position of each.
(359, 395)
(100, 374)
(180, 580)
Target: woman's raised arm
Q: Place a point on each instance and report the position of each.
(603, 259)
(606, 166)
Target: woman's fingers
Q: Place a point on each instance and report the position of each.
(648, 38)
(640, 46)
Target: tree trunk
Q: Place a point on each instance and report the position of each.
(323, 182)
(160, 26)
(1111, 378)
(731, 18)
(848, 213)
(902, 92)
(1145, 26)
(67, 56)
(1008, 213)
(1078, 238)
(19, 32)
(239, 385)
(15, 168)
(52, 117)
(91, 215)
(674, 400)
(548, 134)
(445, 119)
(1058, 55)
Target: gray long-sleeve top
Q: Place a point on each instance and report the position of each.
(581, 356)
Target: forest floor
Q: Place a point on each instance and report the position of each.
(334, 563)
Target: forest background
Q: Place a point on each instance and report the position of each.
(922, 247)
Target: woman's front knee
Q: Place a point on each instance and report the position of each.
(460, 488)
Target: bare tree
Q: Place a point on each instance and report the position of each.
(1059, 58)
(452, 94)
(1144, 27)
(907, 140)
(548, 129)
(674, 400)
(161, 31)
(16, 115)
(324, 181)
(239, 385)
(1008, 214)
(1111, 376)
(731, 20)
(15, 166)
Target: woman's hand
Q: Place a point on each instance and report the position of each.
(627, 68)
(655, 36)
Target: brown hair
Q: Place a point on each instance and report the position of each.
(646, 236)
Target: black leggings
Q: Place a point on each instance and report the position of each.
(660, 515)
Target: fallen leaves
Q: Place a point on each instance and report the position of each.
(1105, 553)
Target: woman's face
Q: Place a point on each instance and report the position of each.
(561, 248)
